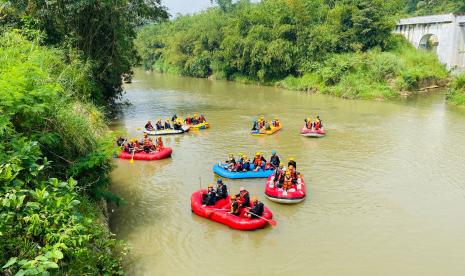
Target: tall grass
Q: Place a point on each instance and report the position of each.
(456, 93)
(374, 74)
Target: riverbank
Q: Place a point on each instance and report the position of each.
(286, 44)
(456, 93)
(55, 159)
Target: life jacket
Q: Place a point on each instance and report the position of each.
(160, 144)
(202, 119)
(257, 161)
(287, 182)
(238, 209)
(317, 125)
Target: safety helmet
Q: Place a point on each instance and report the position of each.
(291, 159)
(233, 197)
(281, 164)
(257, 153)
(241, 189)
(288, 172)
(276, 118)
(254, 199)
(195, 115)
(219, 181)
(273, 152)
(210, 185)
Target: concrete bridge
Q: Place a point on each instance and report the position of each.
(443, 34)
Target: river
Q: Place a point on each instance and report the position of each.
(387, 184)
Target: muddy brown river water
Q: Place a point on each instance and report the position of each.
(387, 184)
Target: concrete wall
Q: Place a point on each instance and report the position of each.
(449, 30)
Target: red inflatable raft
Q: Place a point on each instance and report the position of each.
(312, 132)
(220, 213)
(164, 153)
(294, 195)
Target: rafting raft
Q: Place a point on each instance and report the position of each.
(220, 213)
(270, 131)
(315, 133)
(170, 131)
(294, 195)
(164, 153)
(221, 171)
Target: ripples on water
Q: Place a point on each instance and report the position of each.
(387, 194)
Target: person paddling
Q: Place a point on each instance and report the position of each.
(274, 160)
(257, 210)
(209, 199)
(235, 206)
(221, 189)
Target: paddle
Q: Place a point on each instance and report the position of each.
(270, 221)
(132, 157)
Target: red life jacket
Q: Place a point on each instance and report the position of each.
(257, 161)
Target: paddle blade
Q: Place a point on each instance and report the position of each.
(131, 161)
(272, 222)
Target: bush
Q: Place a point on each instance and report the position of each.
(49, 131)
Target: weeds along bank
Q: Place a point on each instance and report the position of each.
(456, 93)
(342, 48)
(54, 161)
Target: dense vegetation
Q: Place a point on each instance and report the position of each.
(54, 163)
(60, 69)
(340, 47)
(429, 7)
(456, 94)
(101, 32)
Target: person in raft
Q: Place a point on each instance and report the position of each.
(149, 126)
(308, 123)
(257, 210)
(177, 125)
(195, 119)
(244, 164)
(209, 198)
(202, 119)
(230, 163)
(279, 176)
(159, 125)
(221, 189)
(288, 181)
(167, 124)
(235, 206)
(174, 118)
(255, 126)
(274, 161)
(257, 162)
(317, 124)
(244, 197)
(159, 145)
(275, 123)
(148, 145)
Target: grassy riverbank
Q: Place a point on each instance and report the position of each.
(456, 93)
(339, 48)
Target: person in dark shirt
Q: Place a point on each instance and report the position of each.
(149, 126)
(274, 160)
(221, 189)
(209, 199)
(244, 197)
(257, 209)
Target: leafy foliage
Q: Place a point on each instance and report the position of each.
(429, 7)
(265, 41)
(49, 131)
(456, 93)
(102, 32)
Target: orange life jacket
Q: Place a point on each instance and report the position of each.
(287, 182)
(257, 161)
